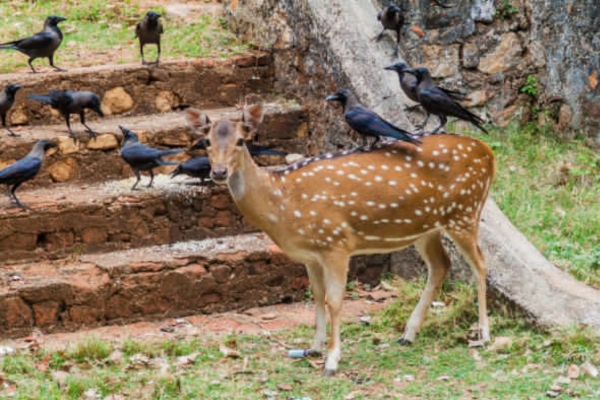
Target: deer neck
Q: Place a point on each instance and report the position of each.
(253, 191)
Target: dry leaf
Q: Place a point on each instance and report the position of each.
(589, 369)
(227, 352)
(476, 343)
(416, 29)
(186, 360)
(573, 371)
(501, 343)
(353, 395)
(284, 387)
(443, 378)
(60, 377)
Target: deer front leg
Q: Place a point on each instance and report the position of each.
(315, 275)
(335, 271)
(433, 253)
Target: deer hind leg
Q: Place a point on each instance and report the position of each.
(317, 287)
(438, 264)
(468, 247)
(335, 274)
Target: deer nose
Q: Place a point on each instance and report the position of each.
(218, 174)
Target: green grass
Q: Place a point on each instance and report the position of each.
(550, 190)
(99, 32)
(439, 365)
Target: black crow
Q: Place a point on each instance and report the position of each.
(141, 157)
(198, 167)
(437, 102)
(391, 18)
(367, 122)
(7, 99)
(41, 44)
(148, 30)
(24, 169)
(71, 102)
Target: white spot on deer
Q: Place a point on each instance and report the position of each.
(435, 153)
(340, 172)
(385, 167)
(282, 207)
(372, 168)
(420, 163)
(446, 194)
(326, 221)
(283, 179)
(407, 165)
(304, 196)
(353, 213)
(301, 231)
(408, 158)
(273, 217)
(388, 154)
(398, 168)
(353, 177)
(418, 212)
(413, 175)
(385, 221)
(313, 213)
(364, 217)
(327, 179)
(297, 213)
(378, 178)
(364, 171)
(394, 205)
(330, 167)
(321, 231)
(353, 194)
(371, 237)
(371, 203)
(368, 183)
(392, 183)
(383, 206)
(456, 158)
(398, 221)
(329, 239)
(408, 221)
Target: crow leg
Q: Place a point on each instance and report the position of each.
(31, 66)
(142, 53)
(10, 132)
(51, 59)
(12, 191)
(151, 178)
(443, 121)
(90, 131)
(421, 126)
(378, 38)
(71, 133)
(137, 175)
(397, 43)
(158, 50)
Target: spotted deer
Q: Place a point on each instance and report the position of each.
(323, 210)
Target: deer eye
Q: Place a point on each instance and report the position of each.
(240, 142)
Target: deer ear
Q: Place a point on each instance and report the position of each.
(197, 120)
(251, 119)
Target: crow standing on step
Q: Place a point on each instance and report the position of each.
(367, 122)
(148, 31)
(7, 98)
(71, 102)
(198, 167)
(437, 102)
(24, 169)
(41, 44)
(391, 18)
(141, 157)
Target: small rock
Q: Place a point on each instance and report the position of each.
(103, 142)
(91, 394)
(381, 295)
(116, 101)
(116, 357)
(589, 369)
(5, 350)
(60, 377)
(269, 316)
(408, 378)
(293, 158)
(270, 394)
(63, 170)
(67, 145)
(438, 304)
(552, 394)
(166, 101)
(365, 319)
(556, 388)
(443, 378)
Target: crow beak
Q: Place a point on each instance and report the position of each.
(390, 68)
(332, 97)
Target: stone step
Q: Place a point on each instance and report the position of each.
(68, 220)
(96, 160)
(213, 275)
(134, 89)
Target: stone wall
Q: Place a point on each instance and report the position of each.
(487, 48)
